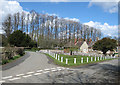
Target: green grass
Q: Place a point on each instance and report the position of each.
(78, 60)
(5, 61)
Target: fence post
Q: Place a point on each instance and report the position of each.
(95, 58)
(74, 60)
(101, 58)
(87, 59)
(58, 57)
(91, 59)
(105, 57)
(61, 59)
(82, 60)
(111, 56)
(54, 55)
(98, 58)
(66, 61)
(114, 56)
(49, 52)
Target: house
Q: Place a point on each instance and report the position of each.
(82, 45)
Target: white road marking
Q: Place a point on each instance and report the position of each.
(7, 77)
(37, 73)
(20, 75)
(30, 72)
(27, 76)
(59, 69)
(2, 81)
(47, 69)
(14, 79)
(46, 72)
(67, 68)
(54, 70)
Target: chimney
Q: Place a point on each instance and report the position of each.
(75, 41)
(90, 40)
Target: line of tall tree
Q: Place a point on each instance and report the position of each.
(48, 31)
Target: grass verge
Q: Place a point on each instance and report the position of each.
(5, 61)
(78, 60)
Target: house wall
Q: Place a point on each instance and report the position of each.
(84, 48)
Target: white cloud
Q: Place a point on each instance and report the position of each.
(52, 14)
(9, 7)
(110, 6)
(72, 19)
(107, 30)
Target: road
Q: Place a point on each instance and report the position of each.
(35, 67)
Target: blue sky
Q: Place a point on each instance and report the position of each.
(79, 10)
(100, 15)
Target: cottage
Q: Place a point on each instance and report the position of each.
(83, 46)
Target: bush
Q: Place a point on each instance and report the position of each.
(4, 61)
(20, 51)
(8, 51)
(35, 48)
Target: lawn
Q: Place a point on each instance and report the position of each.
(78, 60)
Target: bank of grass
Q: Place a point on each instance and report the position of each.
(5, 61)
(78, 60)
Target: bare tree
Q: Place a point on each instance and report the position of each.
(27, 23)
(18, 19)
(15, 22)
(22, 21)
(7, 25)
(50, 30)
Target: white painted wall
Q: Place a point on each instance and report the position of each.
(84, 47)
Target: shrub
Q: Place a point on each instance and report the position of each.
(35, 49)
(4, 61)
(20, 51)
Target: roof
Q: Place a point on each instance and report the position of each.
(79, 43)
(70, 44)
(91, 44)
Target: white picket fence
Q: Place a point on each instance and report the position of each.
(57, 57)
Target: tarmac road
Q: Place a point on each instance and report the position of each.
(35, 67)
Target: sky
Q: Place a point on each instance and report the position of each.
(101, 15)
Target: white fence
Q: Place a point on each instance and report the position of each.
(82, 60)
